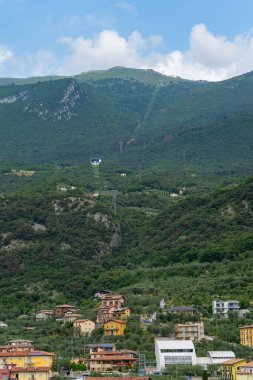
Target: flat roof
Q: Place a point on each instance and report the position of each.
(165, 343)
(221, 354)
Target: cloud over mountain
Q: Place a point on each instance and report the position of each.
(209, 57)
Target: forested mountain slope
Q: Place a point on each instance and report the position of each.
(65, 247)
(130, 118)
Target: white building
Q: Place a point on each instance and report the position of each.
(168, 351)
(224, 307)
(171, 351)
(218, 357)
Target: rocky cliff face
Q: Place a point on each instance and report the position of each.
(13, 98)
(63, 110)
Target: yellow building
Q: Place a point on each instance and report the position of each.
(27, 358)
(246, 335)
(83, 326)
(245, 372)
(230, 367)
(31, 373)
(122, 313)
(114, 327)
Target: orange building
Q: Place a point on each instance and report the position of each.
(246, 335)
(114, 327)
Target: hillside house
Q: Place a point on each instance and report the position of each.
(245, 372)
(27, 358)
(121, 313)
(61, 310)
(180, 310)
(17, 345)
(43, 315)
(104, 314)
(190, 330)
(83, 326)
(112, 304)
(71, 317)
(230, 367)
(3, 325)
(24, 373)
(116, 360)
(114, 327)
(113, 301)
(246, 335)
(223, 308)
(108, 347)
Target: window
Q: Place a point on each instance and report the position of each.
(176, 350)
(178, 360)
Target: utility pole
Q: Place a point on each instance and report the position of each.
(121, 146)
(114, 200)
(105, 185)
(140, 173)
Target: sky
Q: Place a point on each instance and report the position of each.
(194, 39)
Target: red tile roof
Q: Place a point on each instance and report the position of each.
(232, 361)
(26, 353)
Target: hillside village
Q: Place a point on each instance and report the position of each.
(20, 360)
(126, 227)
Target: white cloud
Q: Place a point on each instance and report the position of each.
(107, 49)
(99, 20)
(126, 6)
(43, 62)
(209, 57)
(5, 55)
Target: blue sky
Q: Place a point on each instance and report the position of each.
(195, 39)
